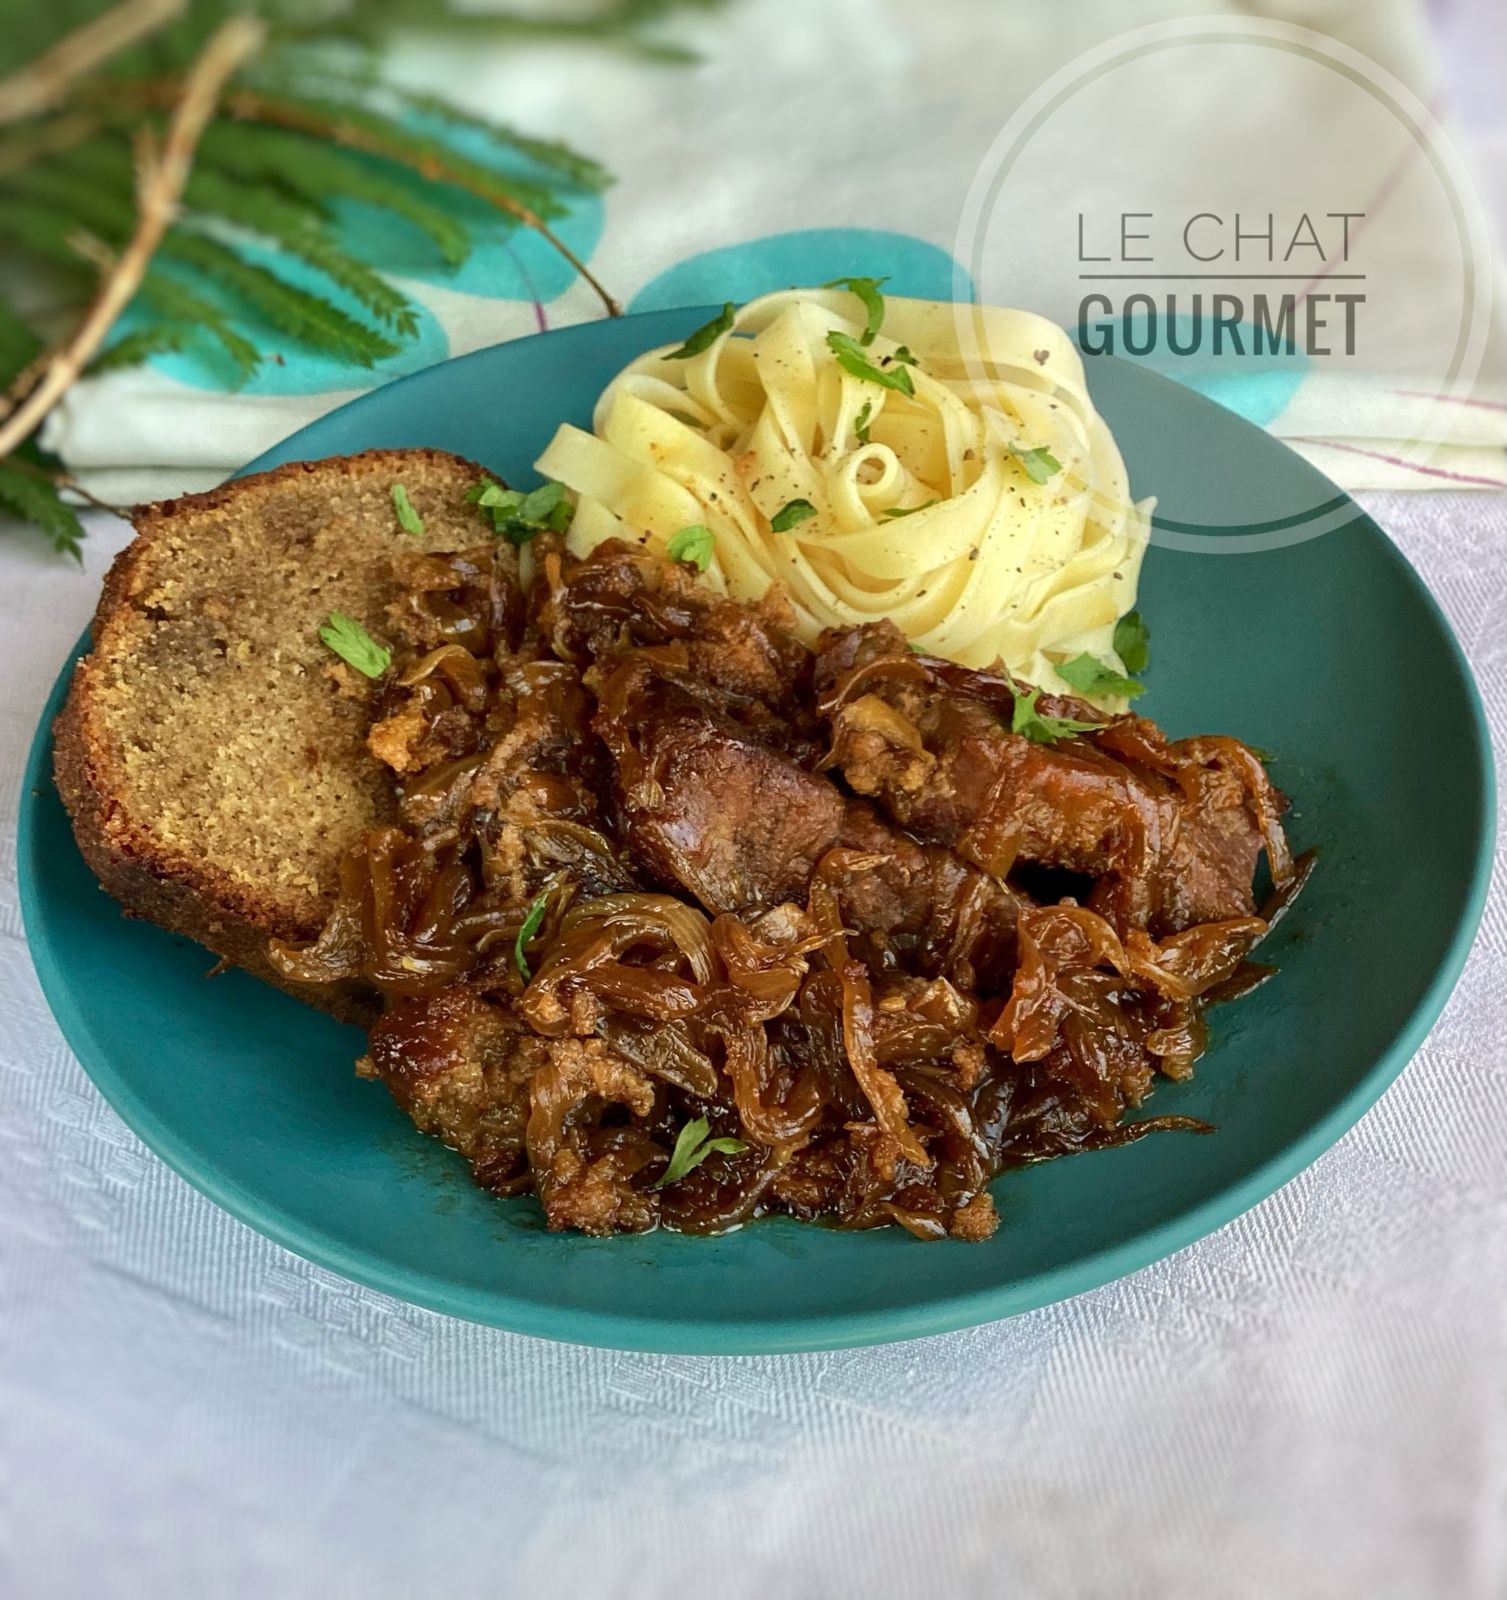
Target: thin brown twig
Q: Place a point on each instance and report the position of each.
(42, 83)
(248, 105)
(160, 187)
(95, 251)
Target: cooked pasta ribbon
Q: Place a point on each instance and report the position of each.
(987, 514)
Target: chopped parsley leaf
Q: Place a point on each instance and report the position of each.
(408, 519)
(862, 420)
(706, 335)
(531, 925)
(1040, 728)
(850, 358)
(791, 514)
(694, 546)
(542, 507)
(1040, 463)
(909, 511)
(517, 516)
(1089, 675)
(692, 1147)
(867, 292)
(352, 643)
(1133, 642)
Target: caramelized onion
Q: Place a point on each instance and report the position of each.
(1259, 792)
(778, 1125)
(625, 919)
(882, 1021)
(664, 1052)
(462, 672)
(769, 974)
(900, 668)
(587, 851)
(880, 1086)
(393, 923)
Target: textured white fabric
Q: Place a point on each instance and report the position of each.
(1311, 1402)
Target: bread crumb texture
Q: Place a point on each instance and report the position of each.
(226, 730)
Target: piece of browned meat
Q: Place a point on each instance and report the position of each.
(748, 657)
(919, 908)
(742, 827)
(704, 806)
(461, 1067)
(1169, 832)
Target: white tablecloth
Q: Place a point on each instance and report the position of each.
(1313, 1401)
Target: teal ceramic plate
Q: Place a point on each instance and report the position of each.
(1328, 652)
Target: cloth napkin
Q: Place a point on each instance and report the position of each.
(815, 141)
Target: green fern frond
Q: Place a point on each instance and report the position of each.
(330, 131)
(31, 29)
(291, 224)
(36, 500)
(318, 173)
(173, 300)
(18, 344)
(170, 48)
(329, 88)
(433, 158)
(85, 181)
(163, 338)
(292, 311)
(78, 187)
(324, 50)
(553, 154)
(104, 164)
(619, 22)
(63, 185)
(46, 233)
(104, 159)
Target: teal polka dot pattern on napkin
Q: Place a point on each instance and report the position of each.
(808, 256)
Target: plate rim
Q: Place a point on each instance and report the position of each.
(625, 1330)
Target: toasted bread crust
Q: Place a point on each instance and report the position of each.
(186, 884)
(168, 890)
